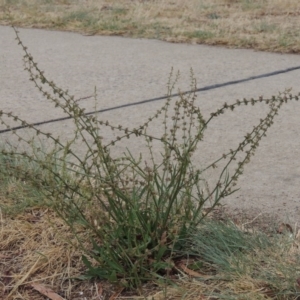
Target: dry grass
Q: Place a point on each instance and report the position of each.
(271, 25)
(33, 251)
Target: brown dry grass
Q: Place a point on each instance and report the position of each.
(271, 25)
(35, 251)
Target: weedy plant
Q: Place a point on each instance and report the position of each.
(137, 214)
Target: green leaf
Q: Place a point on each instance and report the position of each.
(161, 252)
(113, 277)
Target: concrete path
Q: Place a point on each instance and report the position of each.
(131, 70)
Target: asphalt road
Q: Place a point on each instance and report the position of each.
(126, 71)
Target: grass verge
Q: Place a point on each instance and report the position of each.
(270, 25)
(37, 256)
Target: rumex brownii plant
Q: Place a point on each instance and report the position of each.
(136, 212)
